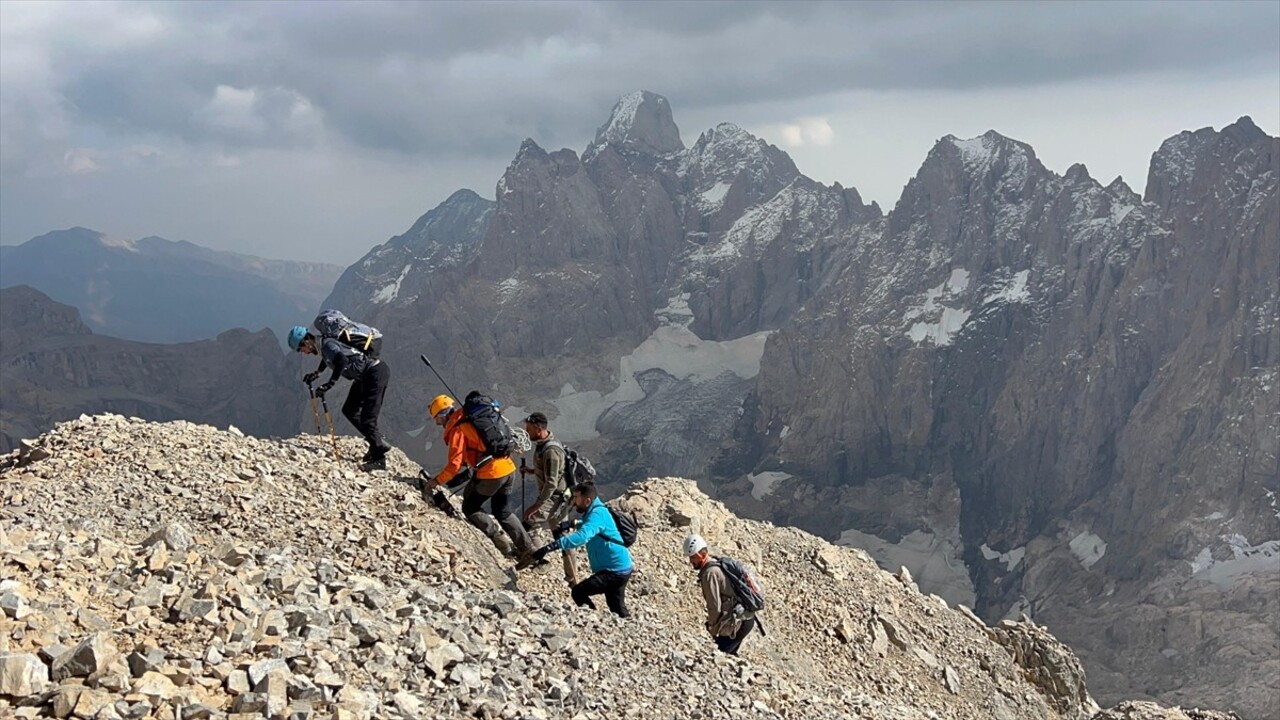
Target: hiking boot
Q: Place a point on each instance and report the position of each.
(374, 465)
(504, 546)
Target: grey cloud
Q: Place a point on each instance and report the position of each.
(477, 77)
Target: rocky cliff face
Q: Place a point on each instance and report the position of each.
(259, 578)
(1078, 402)
(1041, 393)
(54, 368)
(157, 290)
(639, 256)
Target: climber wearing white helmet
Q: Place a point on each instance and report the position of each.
(731, 591)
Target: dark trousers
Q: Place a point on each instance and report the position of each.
(731, 644)
(498, 494)
(364, 402)
(611, 584)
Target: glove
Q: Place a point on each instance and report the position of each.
(564, 528)
(310, 377)
(532, 509)
(320, 391)
(462, 478)
(541, 553)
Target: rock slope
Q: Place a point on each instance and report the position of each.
(178, 571)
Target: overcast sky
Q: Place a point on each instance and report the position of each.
(317, 130)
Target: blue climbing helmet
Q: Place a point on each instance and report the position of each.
(296, 336)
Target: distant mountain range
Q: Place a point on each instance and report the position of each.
(157, 290)
(53, 368)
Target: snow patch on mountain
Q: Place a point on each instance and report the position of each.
(713, 197)
(1010, 559)
(622, 118)
(390, 291)
(943, 331)
(1088, 548)
(799, 208)
(934, 560)
(1246, 560)
(762, 484)
(675, 350)
(976, 152)
(1015, 290)
(676, 311)
(939, 324)
(508, 289)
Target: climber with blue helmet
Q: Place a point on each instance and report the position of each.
(352, 350)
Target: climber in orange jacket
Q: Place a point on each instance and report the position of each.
(492, 480)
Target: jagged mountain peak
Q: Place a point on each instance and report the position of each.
(980, 154)
(725, 151)
(1180, 157)
(1244, 131)
(440, 224)
(465, 195)
(528, 149)
(642, 121)
(1119, 188)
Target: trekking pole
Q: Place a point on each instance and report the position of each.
(332, 436)
(524, 501)
(442, 382)
(315, 411)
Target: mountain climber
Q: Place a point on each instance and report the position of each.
(610, 560)
(492, 480)
(369, 376)
(552, 506)
(725, 620)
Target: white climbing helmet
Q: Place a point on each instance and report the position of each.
(693, 545)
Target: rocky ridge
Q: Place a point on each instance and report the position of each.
(177, 571)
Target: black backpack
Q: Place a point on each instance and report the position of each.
(486, 416)
(627, 527)
(744, 583)
(577, 468)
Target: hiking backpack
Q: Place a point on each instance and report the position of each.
(627, 527)
(744, 583)
(332, 323)
(578, 469)
(486, 415)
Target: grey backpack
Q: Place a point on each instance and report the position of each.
(744, 583)
(333, 324)
(577, 468)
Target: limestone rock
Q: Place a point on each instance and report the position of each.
(22, 674)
